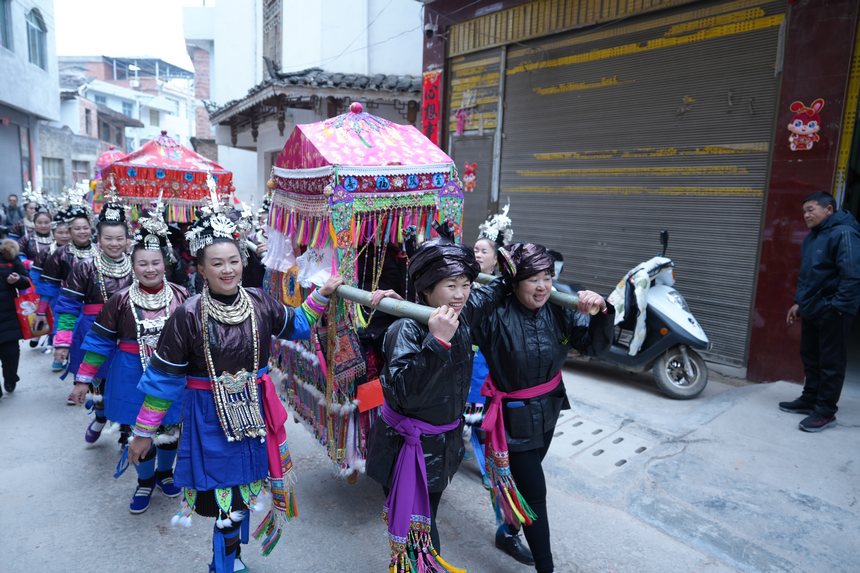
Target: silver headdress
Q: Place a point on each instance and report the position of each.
(498, 228)
(217, 221)
(152, 232)
(78, 207)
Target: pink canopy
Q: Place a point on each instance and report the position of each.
(358, 139)
(162, 166)
(105, 159)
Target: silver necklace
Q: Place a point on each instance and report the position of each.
(236, 313)
(148, 301)
(85, 253)
(114, 269)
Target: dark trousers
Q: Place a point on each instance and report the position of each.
(435, 498)
(824, 352)
(527, 472)
(10, 354)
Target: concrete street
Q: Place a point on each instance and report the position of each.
(638, 483)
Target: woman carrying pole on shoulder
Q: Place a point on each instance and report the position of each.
(416, 447)
(526, 342)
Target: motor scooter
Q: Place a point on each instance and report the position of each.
(658, 332)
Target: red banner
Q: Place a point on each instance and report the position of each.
(431, 106)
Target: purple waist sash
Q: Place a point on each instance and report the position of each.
(408, 505)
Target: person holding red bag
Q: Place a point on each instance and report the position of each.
(14, 278)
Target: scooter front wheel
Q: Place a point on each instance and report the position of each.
(679, 378)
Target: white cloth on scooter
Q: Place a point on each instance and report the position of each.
(639, 278)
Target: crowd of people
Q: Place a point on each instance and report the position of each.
(170, 340)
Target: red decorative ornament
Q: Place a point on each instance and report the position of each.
(805, 125)
(356, 107)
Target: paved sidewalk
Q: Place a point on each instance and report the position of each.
(725, 483)
(728, 473)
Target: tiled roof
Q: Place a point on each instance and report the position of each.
(318, 79)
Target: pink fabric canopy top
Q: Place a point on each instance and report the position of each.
(357, 139)
(105, 159)
(162, 166)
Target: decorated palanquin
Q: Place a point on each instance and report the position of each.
(343, 190)
(163, 168)
(97, 183)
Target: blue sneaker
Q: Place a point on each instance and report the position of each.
(164, 482)
(140, 499)
(57, 366)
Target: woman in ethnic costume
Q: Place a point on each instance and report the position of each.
(425, 382)
(87, 289)
(59, 265)
(526, 342)
(131, 323)
(213, 355)
(495, 232)
(37, 245)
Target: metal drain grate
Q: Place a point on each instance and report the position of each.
(600, 449)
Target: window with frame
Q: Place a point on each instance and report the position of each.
(104, 131)
(99, 98)
(5, 24)
(153, 117)
(52, 175)
(119, 134)
(80, 170)
(37, 42)
(128, 108)
(88, 121)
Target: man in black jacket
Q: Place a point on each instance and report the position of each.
(827, 300)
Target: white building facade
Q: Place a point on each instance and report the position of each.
(273, 64)
(29, 89)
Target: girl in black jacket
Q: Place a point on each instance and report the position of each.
(13, 278)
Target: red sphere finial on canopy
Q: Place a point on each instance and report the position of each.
(111, 147)
(356, 107)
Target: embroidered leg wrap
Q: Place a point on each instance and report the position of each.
(166, 455)
(226, 541)
(99, 403)
(146, 469)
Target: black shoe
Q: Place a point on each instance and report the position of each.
(797, 407)
(816, 422)
(10, 385)
(34, 343)
(513, 545)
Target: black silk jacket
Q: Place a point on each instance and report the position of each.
(422, 379)
(116, 318)
(181, 350)
(59, 264)
(34, 250)
(82, 283)
(524, 349)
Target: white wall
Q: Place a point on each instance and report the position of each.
(70, 114)
(24, 85)
(353, 36)
(243, 164)
(235, 28)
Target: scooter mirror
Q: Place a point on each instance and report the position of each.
(664, 240)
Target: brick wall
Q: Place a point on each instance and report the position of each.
(201, 61)
(83, 105)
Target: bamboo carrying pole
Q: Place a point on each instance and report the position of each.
(392, 306)
(422, 313)
(555, 297)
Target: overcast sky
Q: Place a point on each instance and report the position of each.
(120, 28)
